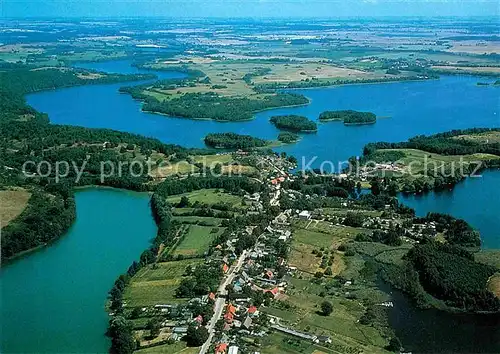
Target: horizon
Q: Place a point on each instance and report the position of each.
(251, 9)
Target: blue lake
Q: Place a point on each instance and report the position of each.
(52, 301)
(411, 108)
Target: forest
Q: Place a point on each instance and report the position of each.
(349, 117)
(288, 137)
(233, 141)
(443, 143)
(27, 80)
(294, 123)
(213, 106)
(451, 274)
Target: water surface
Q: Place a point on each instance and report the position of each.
(52, 301)
(476, 200)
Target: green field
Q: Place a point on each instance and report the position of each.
(341, 325)
(174, 348)
(156, 284)
(197, 241)
(208, 196)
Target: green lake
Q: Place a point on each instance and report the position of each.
(52, 301)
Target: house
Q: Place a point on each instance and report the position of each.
(199, 319)
(211, 296)
(225, 268)
(324, 339)
(247, 323)
(221, 348)
(252, 310)
(304, 214)
(269, 274)
(233, 349)
(228, 317)
(180, 330)
(231, 309)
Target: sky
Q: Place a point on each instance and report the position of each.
(246, 8)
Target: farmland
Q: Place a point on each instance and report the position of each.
(156, 284)
(13, 203)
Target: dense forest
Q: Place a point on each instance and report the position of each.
(213, 106)
(294, 123)
(349, 117)
(288, 137)
(307, 83)
(233, 141)
(26, 80)
(451, 274)
(49, 215)
(448, 143)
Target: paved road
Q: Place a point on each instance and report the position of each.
(220, 302)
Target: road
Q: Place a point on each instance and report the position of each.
(220, 302)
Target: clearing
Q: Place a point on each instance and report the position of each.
(12, 203)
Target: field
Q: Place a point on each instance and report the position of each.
(348, 335)
(226, 76)
(467, 69)
(156, 284)
(483, 138)
(208, 196)
(175, 348)
(309, 238)
(12, 204)
(417, 161)
(197, 240)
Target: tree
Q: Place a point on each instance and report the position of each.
(153, 326)
(122, 340)
(196, 336)
(184, 202)
(394, 345)
(326, 308)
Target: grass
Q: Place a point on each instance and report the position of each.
(208, 196)
(347, 334)
(197, 241)
(12, 202)
(174, 348)
(416, 162)
(210, 221)
(156, 284)
(209, 160)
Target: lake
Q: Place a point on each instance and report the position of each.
(53, 299)
(408, 108)
(475, 200)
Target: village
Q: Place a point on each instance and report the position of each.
(258, 281)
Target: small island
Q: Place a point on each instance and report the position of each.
(349, 117)
(288, 137)
(294, 123)
(233, 141)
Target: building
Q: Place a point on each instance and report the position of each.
(304, 214)
(233, 350)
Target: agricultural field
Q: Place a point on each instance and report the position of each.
(208, 196)
(312, 241)
(468, 69)
(197, 240)
(416, 161)
(156, 284)
(13, 203)
(300, 309)
(174, 348)
(482, 138)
